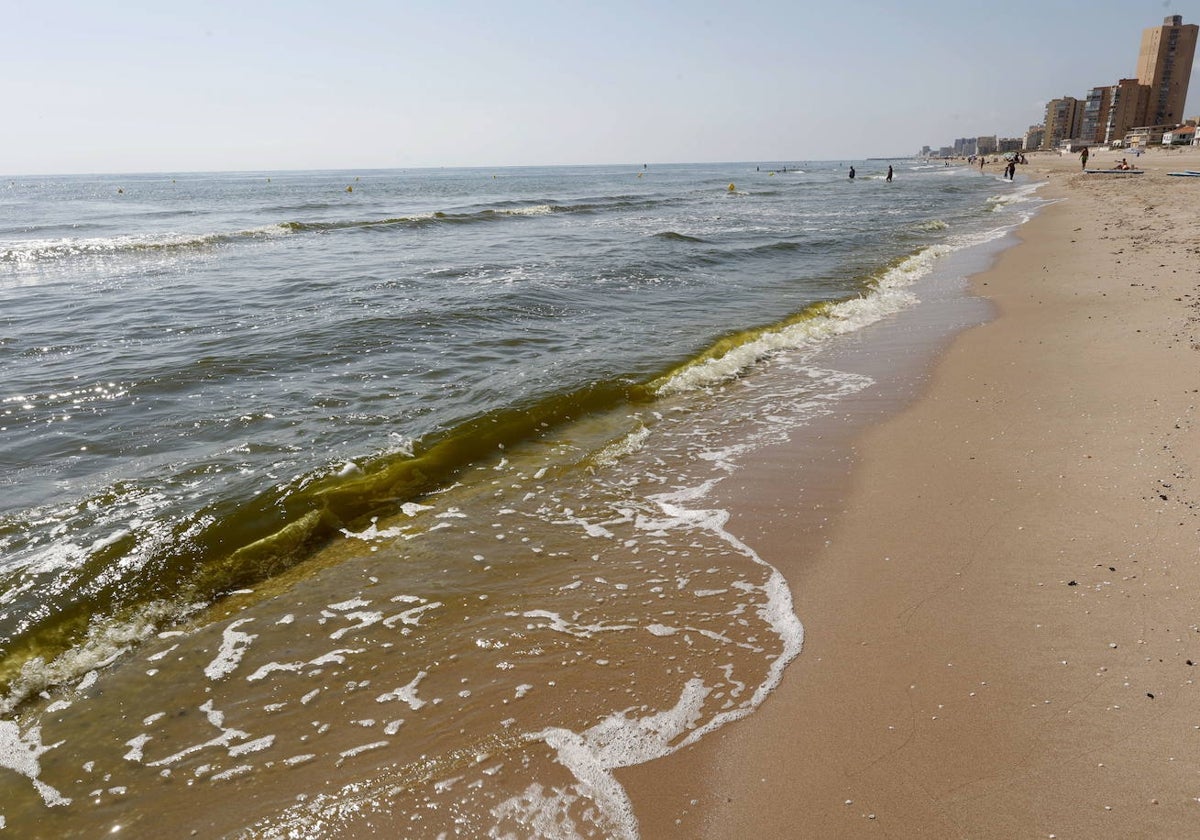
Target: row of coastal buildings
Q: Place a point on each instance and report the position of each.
(1143, 111)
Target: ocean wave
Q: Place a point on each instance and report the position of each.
(38, 251)
(47, 250)
(672, 236)
(733, 355)
(931, 225)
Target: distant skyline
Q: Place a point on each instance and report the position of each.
(138, 86)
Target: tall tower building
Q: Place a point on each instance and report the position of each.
(1165, 66)
(1127, 109)
(1095, 115)
(1064, 118)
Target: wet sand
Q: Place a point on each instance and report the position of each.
(997, 581)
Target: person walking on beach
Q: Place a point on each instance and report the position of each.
(1083, 156)
(851, 173)
(889, 177)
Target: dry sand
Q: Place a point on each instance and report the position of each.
(1003, 616)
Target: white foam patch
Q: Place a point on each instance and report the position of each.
(272, 667)
(556, 622)
(373, 533)
(252, 746)
(20, 753)
(233, 772)
(406, 693)
(234, 644)
(541, 813)
(226, 737)
(136, 747)
(410, 617)
(364, 619)
(334, 657)
(615, 742)
(374, 745)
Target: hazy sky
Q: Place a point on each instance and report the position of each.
(162, 85)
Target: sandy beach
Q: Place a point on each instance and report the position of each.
(998, 581)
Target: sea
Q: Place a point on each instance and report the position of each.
(357, 503)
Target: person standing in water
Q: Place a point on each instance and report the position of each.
(889, 175)
(851, 173)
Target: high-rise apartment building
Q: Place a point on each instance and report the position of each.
(1127, 108)
(1165, 66)
(1095, 114)
(1064, 118)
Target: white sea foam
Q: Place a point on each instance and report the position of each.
(412, 616)
(364, 618)
(234, 644)
(226, 737)
(632, 442)
(534, 210)
(20, 752)
(256, 745)
(232, 773)
(372, 533)
(353, 751)
(556, 622)
(406, 693)
(136, 747)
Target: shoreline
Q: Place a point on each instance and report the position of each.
(997, 639)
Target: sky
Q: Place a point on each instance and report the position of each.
(258, 85)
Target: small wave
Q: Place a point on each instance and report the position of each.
(48, 250)
(672, 236)
(536, 210)
(732, 356)
(932, 225)
(1020, 195)
(631, 442)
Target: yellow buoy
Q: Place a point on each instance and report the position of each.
(732, 187)
(349, 189)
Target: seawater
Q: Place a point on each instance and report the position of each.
(340, 501)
